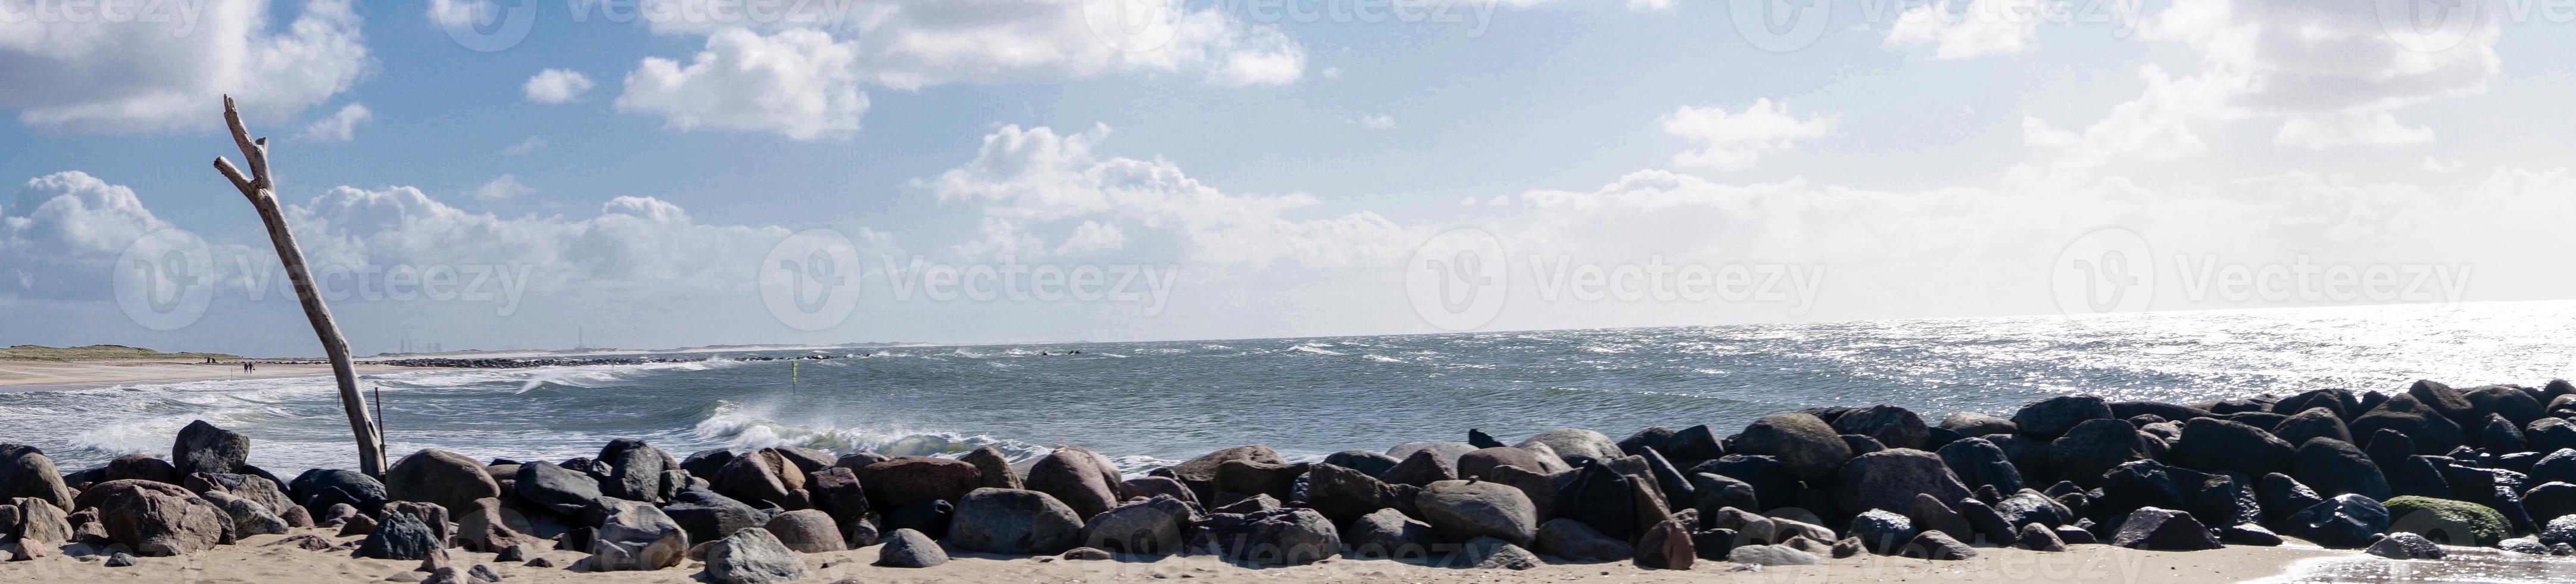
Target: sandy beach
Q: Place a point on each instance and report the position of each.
(25, 374)
(256, 561)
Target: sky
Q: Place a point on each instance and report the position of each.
(544, 174)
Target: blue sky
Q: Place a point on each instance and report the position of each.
(1289, 176)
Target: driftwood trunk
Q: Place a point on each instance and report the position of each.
(263, 196)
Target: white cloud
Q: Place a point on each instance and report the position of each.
(525, 146)
(2364, 128)
(797, 83)
(1378, 122)
(158, 73)
(1981, 28)
(557, 86)
(1735, 141)
(2442, 165)
(341, 126)
(1029, 180)
(68, 223)
(502, 187)
(461, 12)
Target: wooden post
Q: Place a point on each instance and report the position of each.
(263, 197)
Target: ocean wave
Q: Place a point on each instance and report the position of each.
(1315, 348)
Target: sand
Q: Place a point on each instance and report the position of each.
(254, 561)
(23, 374)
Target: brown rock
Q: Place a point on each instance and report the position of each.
(1078, 477)
(157, 519)
(912, 479)
(1666, 546)
(996, 468)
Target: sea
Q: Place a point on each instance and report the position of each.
(1149, 404)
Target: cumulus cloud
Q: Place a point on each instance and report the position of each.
(59, 235)
(341, 126)
(798, 83)
(504, 187)
(165, 67)
(1735, 141)
(461, 12)
(1979, 28)
(557, 86)
(912, 44)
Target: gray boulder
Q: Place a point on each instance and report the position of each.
(1387, 533)
(1282, 537)
(1013, 521)
(1771, 555)
(157, 519)
(1152, 527)
(2150, 528)
(248, 518)
(1572, 540)
(400, 537)
(26, 472)
(1572, 442)
(1809, 448)
(557, 489)
(1081, 479)
(444, 478)
(996, 468)
(1889, 479)
(202, 447)
(752, 556)
(2406, 546)
(905, 548)
(2053, 417)
(636, 536)
(1890, 425)
(807, 531)
(1468, 509)
(635, 470)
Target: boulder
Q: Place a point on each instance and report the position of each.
(1576, 442)
(2030, 506)
(1485, 553)
(1152, 527)
(1890, 480)
(2513, 403)
(2548, 435)
(2150, 528)
(2497, 434)
(1770, 479)
(1881, 531)
(1934, 545)
(1343, 494)
(1976, 424)
(2423, 425)
(2215, 445)
(1771, 555)
(2334, 467)
(1468, 509)
(1366, 462)
(859, 460)
(400, 536)
(1540, 488)
(202, 447)
(1389, 534)
(1426, 467)
(2279, 495)
(1809, 448)
(995, 467)
(752, 556)
(2052, 417)
(142, 467)
(1200, 473)
(1980, 463)
(26, 472)
(556, 489)
(35, 519)
(1279, 537)
(2551, 499)
(1988, 526)
(2344, 521)
(248, 518)
(157, 519)
(636, 536)
(704, 464)
(836, 492)
(1666, 546)
(1015, 522)
(2406, 546)
(708, 516)
(2039, 538)
(2560, 531)
(1929, 514)
(635, 470)
(2162, 411)
(2459, 523)
(2093, 447)
(444, 478)
(1600, 497)
(753, 478)
(1237, 479)
(906, 480)
(807, 531)
(1572, 540)
(2316, 422)
(905, 548)
(1077, 477)
(482, 528)
(319, 489)
(1890, 425)
(1150, 486)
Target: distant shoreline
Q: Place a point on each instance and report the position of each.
(32, 375)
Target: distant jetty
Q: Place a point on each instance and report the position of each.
(519, 362)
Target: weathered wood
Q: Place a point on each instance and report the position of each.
(263, 197)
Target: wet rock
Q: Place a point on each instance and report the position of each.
(2093, 447)
(1976, 424)
(905, 548)
(1891, 479)
(1572, 540)
(2280, 495)
(1988, 526)
(2316, 422)
(1810, 449)
(2406, 546)
(2498, 435)
(2344, 521)
(444, 478)
(1156, 526)
(2446, 521)
(2214, 445)
(2405, 414)
(2031, 507)
(2333, 467)
(1081, 479)
(2550, 500)
(2150, 528)
(1979, 463)
(636, 536)
(2055, 416)
(1014, 521)
(2248, 534)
